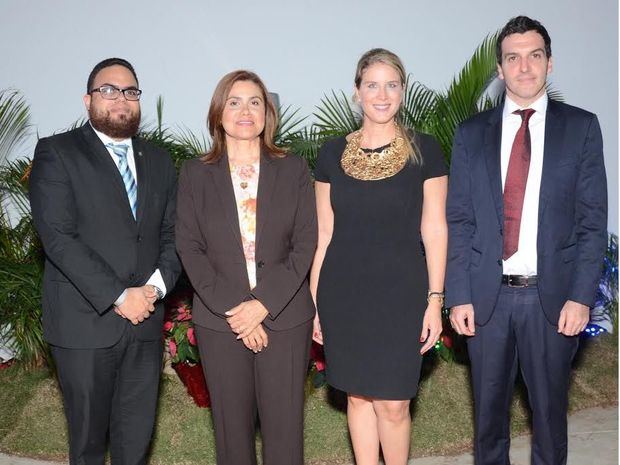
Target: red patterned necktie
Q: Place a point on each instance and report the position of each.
(516, 180)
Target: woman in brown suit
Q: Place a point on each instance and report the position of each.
(246, 234)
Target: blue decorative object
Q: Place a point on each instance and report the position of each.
(605, 311)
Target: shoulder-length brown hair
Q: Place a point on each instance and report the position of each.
(216, 110)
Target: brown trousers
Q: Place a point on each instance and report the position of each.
(269, 384)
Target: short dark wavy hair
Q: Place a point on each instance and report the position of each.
(106, 64)
(521, 25)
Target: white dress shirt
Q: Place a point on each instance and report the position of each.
(524, 261)
(156, 278)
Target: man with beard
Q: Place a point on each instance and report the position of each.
(103, 202)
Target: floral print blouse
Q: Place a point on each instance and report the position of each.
(245, 184)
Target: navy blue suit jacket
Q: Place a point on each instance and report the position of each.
(572, 214)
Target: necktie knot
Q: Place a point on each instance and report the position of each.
(120, 150)
(525, 114)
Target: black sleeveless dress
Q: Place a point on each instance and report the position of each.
(372, 288)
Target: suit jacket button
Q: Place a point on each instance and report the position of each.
(139, 238)
(260, 264)
(499, 262)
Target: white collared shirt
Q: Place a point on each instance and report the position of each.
(131, 161)
(524, 261)
(156, 278)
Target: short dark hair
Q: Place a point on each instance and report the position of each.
(106, 64)
(521, 25)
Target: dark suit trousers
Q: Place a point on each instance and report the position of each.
(111, 390)
(519, 335)
(243, 384)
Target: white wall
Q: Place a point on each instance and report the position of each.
(301, 49)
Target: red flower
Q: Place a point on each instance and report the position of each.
(447, 341)
(173, 347)
(168, 325)
(190, 336)
(184, 313)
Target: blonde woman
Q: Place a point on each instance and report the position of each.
(381, 193)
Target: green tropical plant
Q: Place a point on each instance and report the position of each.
(14, 122)
(466, 95)
(20, 250)
(21, 268)
(181, 144)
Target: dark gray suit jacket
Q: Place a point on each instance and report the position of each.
(210, 247)
(94, 247)
(572, 212)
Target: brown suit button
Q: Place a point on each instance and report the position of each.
(260, 264)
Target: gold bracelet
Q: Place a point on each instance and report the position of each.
(435, 295)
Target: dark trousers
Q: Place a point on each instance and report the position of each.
(518, 334)
(243, 384)
(111, 390)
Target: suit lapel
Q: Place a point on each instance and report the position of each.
(142, 165)
(223, 184)
(554, 135)
(493, 155)
(266, 185)
(106, 166)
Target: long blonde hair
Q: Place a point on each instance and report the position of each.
(381, 55)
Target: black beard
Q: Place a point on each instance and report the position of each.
(124, 128)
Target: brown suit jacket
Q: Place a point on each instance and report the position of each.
(209, 241)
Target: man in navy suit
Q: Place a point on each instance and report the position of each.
(527, 215)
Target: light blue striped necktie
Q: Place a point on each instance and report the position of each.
(120, 150)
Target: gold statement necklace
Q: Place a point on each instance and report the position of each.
(375, 165)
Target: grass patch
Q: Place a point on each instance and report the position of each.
(17, 386)
(32, 421)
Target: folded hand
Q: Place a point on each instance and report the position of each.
(137, 305)
(257, 340)
(245, 317)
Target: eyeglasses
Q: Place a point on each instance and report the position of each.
(110, 92)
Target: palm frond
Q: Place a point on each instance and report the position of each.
(306, 143)
(196, 144)
(14, 186)
(418, 104)
(554, 94)
(81, 121)
(14, 122)
(336, 116)
(466, 94)
(289, 123)
(475, 77)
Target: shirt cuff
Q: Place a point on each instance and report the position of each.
(121, 298)
(157, 281)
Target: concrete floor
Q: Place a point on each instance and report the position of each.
(592, 439)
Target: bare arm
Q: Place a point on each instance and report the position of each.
(325, 217)
(434, 231)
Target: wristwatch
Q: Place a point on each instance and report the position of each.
(160, 293)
